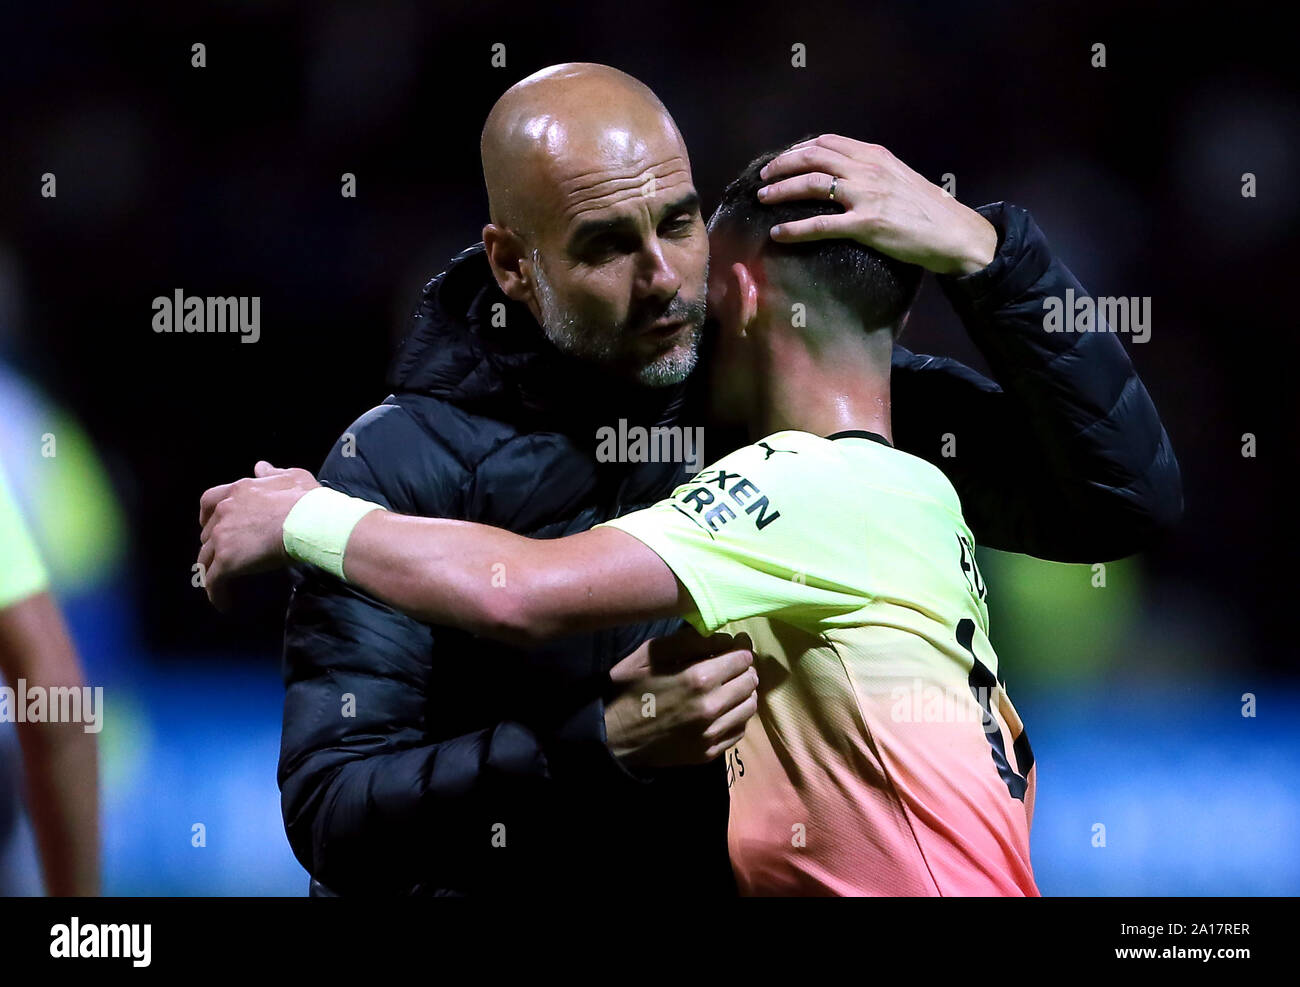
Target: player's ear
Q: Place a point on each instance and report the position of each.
(746, 300)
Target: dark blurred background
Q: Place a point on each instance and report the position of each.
(225, 180)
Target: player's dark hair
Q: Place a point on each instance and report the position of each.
(877, 289)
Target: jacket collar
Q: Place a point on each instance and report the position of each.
(471, 346)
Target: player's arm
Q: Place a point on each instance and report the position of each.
(670, 559)
(483, 579)
(507, 586)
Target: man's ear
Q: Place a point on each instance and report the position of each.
(511, 264)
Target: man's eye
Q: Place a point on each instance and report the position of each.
(679, 224)
(601, 247)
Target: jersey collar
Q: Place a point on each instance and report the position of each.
(860, 434)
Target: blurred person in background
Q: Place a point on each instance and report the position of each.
(59, 759)
(62, 536)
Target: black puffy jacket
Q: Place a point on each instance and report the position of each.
(421, 759)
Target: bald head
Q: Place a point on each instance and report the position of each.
(566, 124)
(595, 221)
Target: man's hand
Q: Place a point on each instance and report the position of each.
(686, 699)
(243, 525)
(887, 206)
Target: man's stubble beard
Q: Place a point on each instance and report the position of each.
(572, 337)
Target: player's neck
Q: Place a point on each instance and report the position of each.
(843, 389)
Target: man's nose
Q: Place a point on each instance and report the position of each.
(659, 278)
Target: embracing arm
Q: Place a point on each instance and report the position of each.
(1065, 457)
(506, 586)
(453, 573)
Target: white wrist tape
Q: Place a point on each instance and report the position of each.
(319, 526)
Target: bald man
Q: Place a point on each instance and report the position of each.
(425, 760)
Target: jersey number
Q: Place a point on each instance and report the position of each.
(970, 570)
(982, 683)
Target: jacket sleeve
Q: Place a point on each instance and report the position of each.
(1065, 457)
(371, 804)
